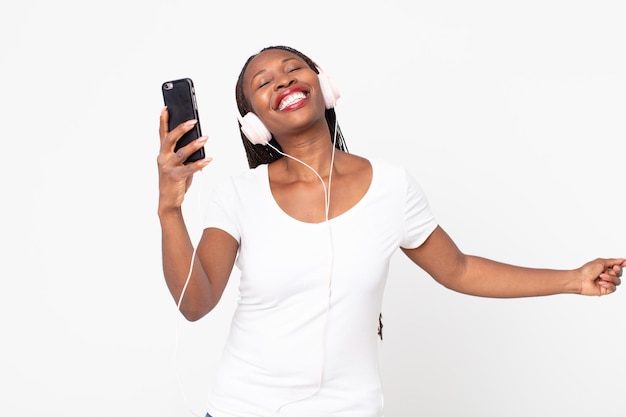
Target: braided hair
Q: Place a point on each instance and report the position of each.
(263, 154)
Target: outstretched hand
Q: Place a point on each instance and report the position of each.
(601, 276)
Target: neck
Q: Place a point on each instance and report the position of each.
(315, 155)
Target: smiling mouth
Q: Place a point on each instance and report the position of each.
(291, 99)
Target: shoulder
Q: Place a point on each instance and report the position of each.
(249, 176)
(240, 183)
(396, 179)
(359, 163)
(389, 171)
(380, 170)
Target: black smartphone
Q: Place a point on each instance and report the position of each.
(180, 98)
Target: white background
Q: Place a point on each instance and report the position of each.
(510, 115)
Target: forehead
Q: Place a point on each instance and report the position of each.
(268, 58)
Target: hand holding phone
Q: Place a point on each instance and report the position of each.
(179, 97)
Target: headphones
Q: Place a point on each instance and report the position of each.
(256, 132)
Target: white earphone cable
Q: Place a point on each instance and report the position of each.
(178, 305)
(332, 264)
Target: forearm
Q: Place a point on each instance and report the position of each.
(177, 251)
(441, 258)
(487, 278)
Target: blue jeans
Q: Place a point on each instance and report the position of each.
(208, 415)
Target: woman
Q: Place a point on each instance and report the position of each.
(312, 229)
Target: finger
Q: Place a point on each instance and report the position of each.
(611, 276)
(193, 167)
(614, 261)
(605, 276)
(183, 153)
(175, 134)
(163, 120)
(615, 270)
(606, 287)
(609, 263)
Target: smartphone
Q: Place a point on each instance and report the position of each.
(180, 98)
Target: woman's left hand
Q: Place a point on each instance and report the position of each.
(601, 276)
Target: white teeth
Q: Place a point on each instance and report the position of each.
(290, 99)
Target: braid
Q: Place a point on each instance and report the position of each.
(263, 154)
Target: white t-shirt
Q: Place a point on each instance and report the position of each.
(303, 339)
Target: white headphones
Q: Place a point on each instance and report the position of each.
(256, 132)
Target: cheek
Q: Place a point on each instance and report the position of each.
(260, 102)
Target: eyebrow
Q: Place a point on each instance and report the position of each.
(264, 70)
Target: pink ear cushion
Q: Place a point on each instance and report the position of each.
(254, 129)
(330, 91)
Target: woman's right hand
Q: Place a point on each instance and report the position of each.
(175, 176)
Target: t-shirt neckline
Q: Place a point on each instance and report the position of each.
(347, 213)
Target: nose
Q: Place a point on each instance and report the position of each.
(284, 82)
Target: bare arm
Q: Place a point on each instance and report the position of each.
(216, 251)
(440, 257)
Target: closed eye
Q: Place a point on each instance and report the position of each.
(262, 84)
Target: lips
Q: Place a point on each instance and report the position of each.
(291, 99)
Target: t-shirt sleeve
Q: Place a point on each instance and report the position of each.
(419, 221)
(221, 210)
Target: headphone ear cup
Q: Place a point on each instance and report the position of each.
(330, 91)
(254, 129)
